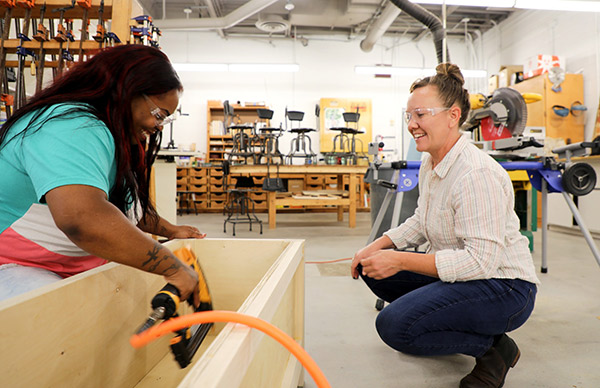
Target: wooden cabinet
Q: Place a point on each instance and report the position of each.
(559, 130)
(202, 189)
(219, 140)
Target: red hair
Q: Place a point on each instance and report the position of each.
(105, 86)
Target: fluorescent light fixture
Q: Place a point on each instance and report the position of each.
(388, 70)
(202, 67)
(547, 5)
(237, 67)
(559, 5)
(264, 67)
(412, 71)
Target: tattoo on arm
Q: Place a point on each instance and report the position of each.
(154, 261)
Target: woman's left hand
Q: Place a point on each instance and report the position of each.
(185, 231)
(382, 264)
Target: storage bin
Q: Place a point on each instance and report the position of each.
(314, 179)
(216, 171)
(217, 188)
(216, 180)
(216, 204)
(198, 180)
(198, 188)
(182, 171)
(260, 204)
(259, 196)
(218, 196)
(198, 171)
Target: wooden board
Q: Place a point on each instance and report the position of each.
(76, 332)
(238, 357)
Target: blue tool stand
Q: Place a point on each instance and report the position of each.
(545, 175)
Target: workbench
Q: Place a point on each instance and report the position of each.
(275, 199)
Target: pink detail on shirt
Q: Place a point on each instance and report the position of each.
(20, 250)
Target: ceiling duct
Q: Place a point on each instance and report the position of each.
(430, 20)
(377, 29)
(272, 24)
(242, 13)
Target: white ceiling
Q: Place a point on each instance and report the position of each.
(316, 17)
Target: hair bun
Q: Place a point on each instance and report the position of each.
(450, 70)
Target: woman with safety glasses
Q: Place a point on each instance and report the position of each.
(477, 280)
(76, 163)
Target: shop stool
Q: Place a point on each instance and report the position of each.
(298, 146)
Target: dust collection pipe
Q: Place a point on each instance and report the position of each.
(430, 20)
(380, 26)
(174, 324)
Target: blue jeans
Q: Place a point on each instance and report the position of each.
(17, 279)
(428, 317)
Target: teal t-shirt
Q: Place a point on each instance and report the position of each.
(73, 148)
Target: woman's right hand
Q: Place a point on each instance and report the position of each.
(382, 242)
(360, 255)
(185, 279)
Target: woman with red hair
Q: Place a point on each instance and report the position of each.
(76, 163)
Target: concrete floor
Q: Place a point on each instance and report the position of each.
(560, 344)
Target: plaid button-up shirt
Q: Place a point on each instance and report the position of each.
(466, 213)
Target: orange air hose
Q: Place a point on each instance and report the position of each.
(174, 324)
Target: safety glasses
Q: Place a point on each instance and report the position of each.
(159, 116)
(420, 114)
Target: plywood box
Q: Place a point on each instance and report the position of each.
(75, 332)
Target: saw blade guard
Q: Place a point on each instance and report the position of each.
(510, 109)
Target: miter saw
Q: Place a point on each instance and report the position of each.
(498, 122)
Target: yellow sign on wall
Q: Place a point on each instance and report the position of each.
(331, 116)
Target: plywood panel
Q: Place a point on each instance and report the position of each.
(226, 361)
(75, 332)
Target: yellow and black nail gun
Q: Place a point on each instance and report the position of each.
(166, 303)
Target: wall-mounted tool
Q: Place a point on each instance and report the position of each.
(100, 30)
(63, 34)
(144, 32)
(41, 36)
(165, 305)
(22, 52)
(9, 5)
(85, 23)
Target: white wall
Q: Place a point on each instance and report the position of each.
(574, 35)
(326, 70)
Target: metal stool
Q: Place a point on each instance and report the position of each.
(239, 207)
(186, 197)
(243, 143)
(269, 139)
(347, 138)
(241, 135)
(298, 146)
